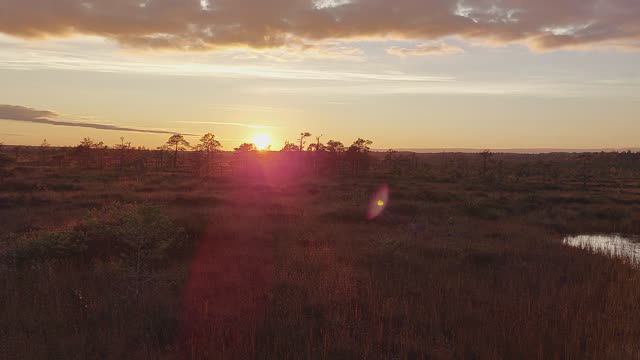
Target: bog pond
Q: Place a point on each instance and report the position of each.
(626, 248)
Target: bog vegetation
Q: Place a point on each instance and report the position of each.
(192, 252)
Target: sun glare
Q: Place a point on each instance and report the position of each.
(262, 141)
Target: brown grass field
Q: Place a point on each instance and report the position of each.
(466, 262)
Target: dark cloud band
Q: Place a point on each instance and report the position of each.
(207, 24)
(26, 114)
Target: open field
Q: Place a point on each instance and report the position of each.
(466, 261)
(319, 179)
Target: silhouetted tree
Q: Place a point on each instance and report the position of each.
(360, 146)
(246, 148)
(290, 147)
(358, 154)
(334, 146)
(88, 149)
(100, 150)
(208, 145)
(317, 146)
(318, 155)
(86, 143)
(244, 152)
(303, 136)
(123, 148)
(486, 157)
(44, 147)
(177, 143)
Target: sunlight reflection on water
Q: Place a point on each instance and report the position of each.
(613, 245)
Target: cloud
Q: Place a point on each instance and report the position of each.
(97, 55)
(212, 24)
(425, 49)
(26, 114)
(249, 126)
(322, 50)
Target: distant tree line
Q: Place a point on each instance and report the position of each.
(207, 156)
(309, 157)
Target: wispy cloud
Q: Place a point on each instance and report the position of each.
(47, 117)
(453, 88)
(434, 48)
(298, 50)
(244, 125)
(251, 108)
(95, 55)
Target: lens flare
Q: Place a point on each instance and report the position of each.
(262, 141)
(378, 202)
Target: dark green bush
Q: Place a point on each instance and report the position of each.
(138, 235)
(48, 244)
(132, 232)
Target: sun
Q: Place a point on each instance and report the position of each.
(262, 141)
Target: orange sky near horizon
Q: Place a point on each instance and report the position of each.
(471, 74)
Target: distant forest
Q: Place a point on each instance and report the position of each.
(310, 157)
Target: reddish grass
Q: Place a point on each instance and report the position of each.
(292, 269)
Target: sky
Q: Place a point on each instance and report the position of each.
(405, 73)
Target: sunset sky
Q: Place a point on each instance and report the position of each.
(403, 73)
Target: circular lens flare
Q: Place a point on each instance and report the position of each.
(378, 202)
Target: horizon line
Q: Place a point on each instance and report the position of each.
(449, 150)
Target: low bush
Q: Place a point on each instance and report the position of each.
(138, 235)
(47, 244)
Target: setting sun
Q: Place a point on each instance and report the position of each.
(262, 141)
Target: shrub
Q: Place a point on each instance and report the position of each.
(135, 233)
(51, 245)
(138, 235)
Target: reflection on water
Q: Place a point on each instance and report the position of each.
(612, 245)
